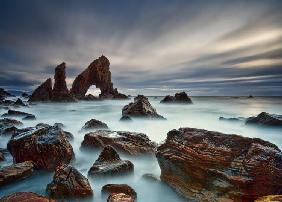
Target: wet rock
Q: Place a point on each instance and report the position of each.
(43, 92)
(42, 125)
(120, 197)
(231, 119)
(19, 102)
(14, 131)
(46, 147)
(181, 97)
(127, 142)
(25, 197)
(151, 177)
(270, 198)
(6, 123)
(29, 117)
(109, 163)
(211, 166)
(265, 119)
(98, 74)
(141, 108)
(110, 189)
(15, 172)
(60, 90)
(15, 113)
(4, 94)
(68, 183)
(59, 125)
(125, 118)
(94, 124)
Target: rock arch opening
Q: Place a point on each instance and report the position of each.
(93, 90)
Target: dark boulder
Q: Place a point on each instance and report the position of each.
(125, 118)
(109, 163)
(265, 119)
(43, 92)
(141, 108)
(15, 172)
(46, 147)
(127, 142)
(94, 124)
(68, 183)
(14, 113)
(25, 197)
(182, 98)
(211, 166)
(29, 117)
(19, 102)
(109, 189)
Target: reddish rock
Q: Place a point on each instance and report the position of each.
(46, 147)
(60, 90)
(270, 198)
(109, 163)
(211, 166)
(15, 172)
(43, 92)
(94, 124)
(181, 97)
(127, 142)
(25, 197)
(98, 74)
(110, 189)
(68, 183)
(120, 197)
(141, 108)
(265, 119)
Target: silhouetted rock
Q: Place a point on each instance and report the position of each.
(15, 172)
(110, 189)
(120, 197)
(43, 92)
(4, 94)
(60, 90)
(91, 97)
(109, 163)
(15, 113)
(270, 198)
(94, 124)
(46, 147)
(127, 142)
(68, 183)
(98, 74)
(177, 98)
(211, 166)
(19, 102)
(265, 119)
(141, 108)
(25, 197)
(250, 96)
(25, 95)
(125, 118)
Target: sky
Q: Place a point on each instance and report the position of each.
(155, 47)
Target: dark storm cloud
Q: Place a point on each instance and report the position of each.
(208, 47)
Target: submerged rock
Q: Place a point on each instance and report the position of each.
(110, 189)
(19, 102)
(68, 182)
(140, 108)
(91, 97)
(46, 147)
(109, 163)
(177, 98)
(29, 117)
(151, 177)
(60, 90)
(231, 119)
(125, 118)
(25, 197)
(94, 124)
(120, 197)
(15, 172)
(265, 119)
(211, 166)
(16, 113)
(127, 142)
(43, 92)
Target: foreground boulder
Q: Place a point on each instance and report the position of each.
(110, 189)
(265, 119)
(120, 197)
(94, 124)
(46, 147)
(141, 108)
(270, 198)
(182, 98)
(15, 172)
(68, 182)
(60, 90)
(127, 142)
(43, 92)
(25, 197)
(109, 163)
(211, 166)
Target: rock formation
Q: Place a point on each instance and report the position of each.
(211, 166)
(127, 142)
(141, 108)
(60, 90)
(265, 119)
(110, 189)
(177, 98)
(68, 182)
(43, 92)
(8, 123)
(120, 197)
(46, 147)
(25, 197)
(109, 163)
(94, 124)
(15, 172)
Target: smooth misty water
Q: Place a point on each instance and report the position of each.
(204, 113)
